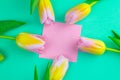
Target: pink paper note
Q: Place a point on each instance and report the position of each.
(61, 39)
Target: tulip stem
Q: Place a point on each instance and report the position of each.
(113, 50)
(8, 37)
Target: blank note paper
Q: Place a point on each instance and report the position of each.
(61, 39)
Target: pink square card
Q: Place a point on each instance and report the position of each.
(61, 39)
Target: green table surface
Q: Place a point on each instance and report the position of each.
(19, 63)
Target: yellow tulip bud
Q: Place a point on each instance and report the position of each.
(78, 12)
(30, 42)
(46, 11)
(93, 46)
(59, 68)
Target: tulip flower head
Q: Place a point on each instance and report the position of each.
(31, 42)
(59, 68)
(46, 12)
(79, 12)
(93, 46)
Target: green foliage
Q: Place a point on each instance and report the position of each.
(7, 25)
(47, 73)
(35, 73)
(1, 57)
(115, 34)
(116, 38)
(33, 5)
(90, 1)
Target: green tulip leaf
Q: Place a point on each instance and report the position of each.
(7, 25)
(35, 73)
(47, 73)
(90, 1)
(115, 34)
(115, 40)
(33, 5)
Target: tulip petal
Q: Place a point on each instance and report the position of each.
(46, 12)
(49, 10)
(77, 13)
(58, 68)
(91, 45)
(42, 11)
(32, 42)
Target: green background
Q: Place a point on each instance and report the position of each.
(19, 64)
